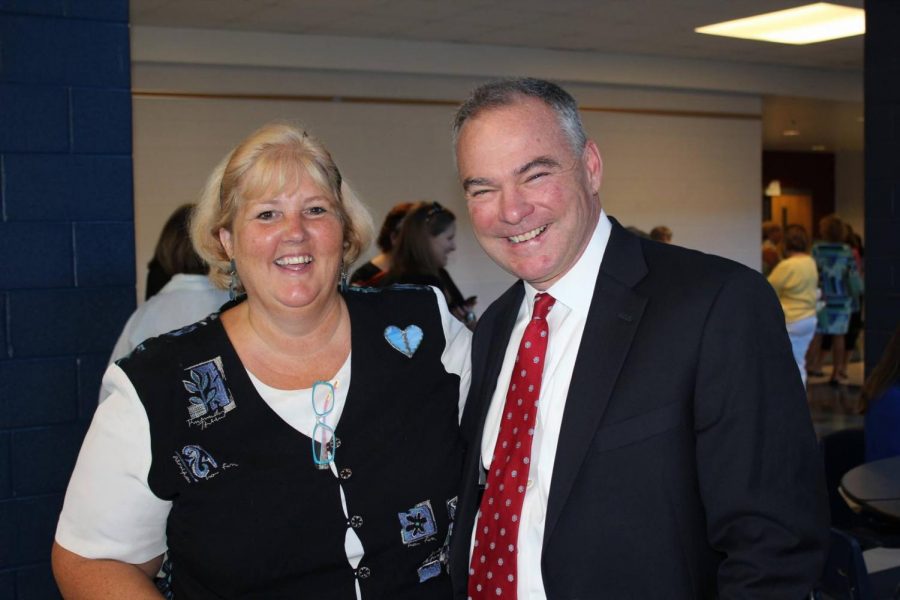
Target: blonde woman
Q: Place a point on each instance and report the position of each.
(249, 447)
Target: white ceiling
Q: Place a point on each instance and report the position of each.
(820, 125)
(649, 27)
(633, 27)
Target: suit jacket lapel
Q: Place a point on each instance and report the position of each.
(488, 351)
(498, 340)
(613, 319)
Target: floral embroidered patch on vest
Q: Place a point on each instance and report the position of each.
(417, 524)
(440, 558)
(210, 398)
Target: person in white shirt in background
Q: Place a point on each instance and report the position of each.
(795, 280)
(187, 297)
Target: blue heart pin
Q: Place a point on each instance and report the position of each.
(406, 340)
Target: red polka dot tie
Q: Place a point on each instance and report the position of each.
(493, 571)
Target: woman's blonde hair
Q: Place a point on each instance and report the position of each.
(272, 160)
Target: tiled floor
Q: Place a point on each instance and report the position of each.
(835, 407)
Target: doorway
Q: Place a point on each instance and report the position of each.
(793, 209)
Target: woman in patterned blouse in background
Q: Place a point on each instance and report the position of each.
(841, 287)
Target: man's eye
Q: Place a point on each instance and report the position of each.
(476, 193)
(536, 176)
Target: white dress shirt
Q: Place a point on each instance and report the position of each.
(573, 294)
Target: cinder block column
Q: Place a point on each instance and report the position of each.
(882, 91)
(66, 255)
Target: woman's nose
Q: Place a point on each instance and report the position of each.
(295, 226)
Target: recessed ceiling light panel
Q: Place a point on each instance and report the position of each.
(808, 24)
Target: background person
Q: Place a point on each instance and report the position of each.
(771, 246)
(841, 287)
(661, 233)
(796, 281)
(638, 232)
(370, 273)
(172, 253)
(157, 277)
(187, 297)
(248, 446)
(635, 414)
(855, 327)
(424, 242)
(880, 400)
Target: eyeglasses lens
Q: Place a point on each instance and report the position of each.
(323, 447)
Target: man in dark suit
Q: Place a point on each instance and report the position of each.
(636, 425)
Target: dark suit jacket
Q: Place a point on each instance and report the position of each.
(687, 464)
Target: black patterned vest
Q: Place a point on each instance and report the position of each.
(252, 517)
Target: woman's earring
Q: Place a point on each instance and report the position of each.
(344, 277)
(344, 281)
(235, 282)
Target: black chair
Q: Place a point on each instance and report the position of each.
(841, 451)
(845, 576)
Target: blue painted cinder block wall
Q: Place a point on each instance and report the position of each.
(66, 255)
(882, 93)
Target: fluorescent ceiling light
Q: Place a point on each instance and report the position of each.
(802, 25)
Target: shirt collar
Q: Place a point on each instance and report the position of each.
(575, 289)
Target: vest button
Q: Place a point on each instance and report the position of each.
(356, 521)
(335, 443)
(363, 572)
(346, 473)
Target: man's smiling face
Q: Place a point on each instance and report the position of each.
(532, 198)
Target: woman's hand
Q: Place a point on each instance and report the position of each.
(465, 312)
(79, 577)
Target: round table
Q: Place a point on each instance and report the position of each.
(875, 487)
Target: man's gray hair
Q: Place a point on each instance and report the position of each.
(504, 92)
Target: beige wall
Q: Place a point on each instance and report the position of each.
(850, 180)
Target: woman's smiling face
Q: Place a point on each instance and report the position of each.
(287, 248)
(443, 244)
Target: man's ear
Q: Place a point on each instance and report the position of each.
(593, 165)
(225, 240)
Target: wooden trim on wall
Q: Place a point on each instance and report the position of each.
(659, 112)
(428, 102)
